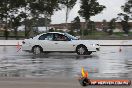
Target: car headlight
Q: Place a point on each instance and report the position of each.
(97, 44)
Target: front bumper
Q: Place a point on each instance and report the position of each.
(98, 49)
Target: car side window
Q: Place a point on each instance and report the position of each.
(60, 37)
(46, 37)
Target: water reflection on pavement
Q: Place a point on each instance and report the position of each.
(108, 62)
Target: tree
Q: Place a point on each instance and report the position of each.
(4, 15)
(6, 33)
(112, 26)
(125, 25)
(43, 8)
(104, 25)
(125, 17)
(71, 32)
(17, 14)
(91, 25)
(13, 12)
(10, 13)
(76, 25)
(15, 23)
(127, 8)
(69, 4)
(90, 8)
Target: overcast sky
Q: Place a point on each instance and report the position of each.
(113, 7)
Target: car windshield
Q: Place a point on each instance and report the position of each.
(71, 37)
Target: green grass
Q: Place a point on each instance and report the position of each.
(20, 33)
(103, 35)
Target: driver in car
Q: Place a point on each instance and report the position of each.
(61, 38)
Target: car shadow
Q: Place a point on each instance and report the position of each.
(62, 56)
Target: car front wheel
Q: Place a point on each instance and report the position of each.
(81, 50)
(37, 50)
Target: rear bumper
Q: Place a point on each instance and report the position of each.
(26, 48)
(29, 51)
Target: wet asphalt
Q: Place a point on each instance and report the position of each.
(109, 62)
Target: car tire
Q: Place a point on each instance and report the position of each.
(37, 50)
(81, 50)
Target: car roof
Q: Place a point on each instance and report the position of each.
(54, 33)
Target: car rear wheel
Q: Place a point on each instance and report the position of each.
(37, 50)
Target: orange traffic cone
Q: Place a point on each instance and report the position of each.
(18, 47)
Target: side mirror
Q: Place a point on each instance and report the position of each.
(69, 39)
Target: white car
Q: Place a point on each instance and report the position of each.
(59, 42)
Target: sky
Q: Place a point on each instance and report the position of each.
(113, 7)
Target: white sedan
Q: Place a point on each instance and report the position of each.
(59, 42)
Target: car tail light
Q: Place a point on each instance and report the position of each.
(23, 42)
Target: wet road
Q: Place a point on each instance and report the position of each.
(107, 63)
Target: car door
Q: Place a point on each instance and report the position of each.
(46, 42)
(62, 43)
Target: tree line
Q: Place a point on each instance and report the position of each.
(122, 18)
(15, 12)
